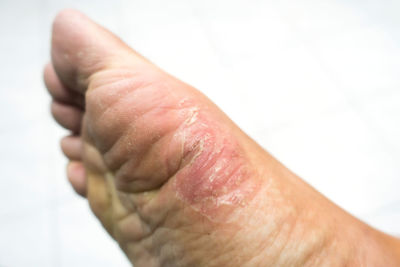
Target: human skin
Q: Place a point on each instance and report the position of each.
(173, 180)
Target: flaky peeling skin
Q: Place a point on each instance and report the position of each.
(215, 173)
(140, 128)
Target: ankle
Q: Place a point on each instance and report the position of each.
(374, 248)
(320, 233)
(349, 242)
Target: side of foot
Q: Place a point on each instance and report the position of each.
(173, 180)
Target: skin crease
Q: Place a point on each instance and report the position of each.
(173, 180)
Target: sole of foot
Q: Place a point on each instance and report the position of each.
(173, 180)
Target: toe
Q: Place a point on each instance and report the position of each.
(80, 47)
(69, 117)
(58, 91)
(72, 147)
(77, 177)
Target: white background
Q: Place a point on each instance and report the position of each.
(315, 82)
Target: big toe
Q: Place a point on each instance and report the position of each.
(80, 48)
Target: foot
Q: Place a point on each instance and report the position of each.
(173, 180)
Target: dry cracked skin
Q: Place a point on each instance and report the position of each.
(173, 180)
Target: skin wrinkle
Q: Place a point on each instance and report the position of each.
(113, 85)
(124, 236)
(312, 257)
(144, 152)
(142, 206)
(98, 204)
(91, 66)
(150, 229)
(272, 231)
(106, 110)
(128, 165)
(150, 234)
(220, 258)
(158, 227)
(269, 245)
(127, 133)
(286, 241)
(154, 230)
(145, 209)
(118, 211)
(322, 243)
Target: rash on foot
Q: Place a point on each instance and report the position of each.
(215, 177)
